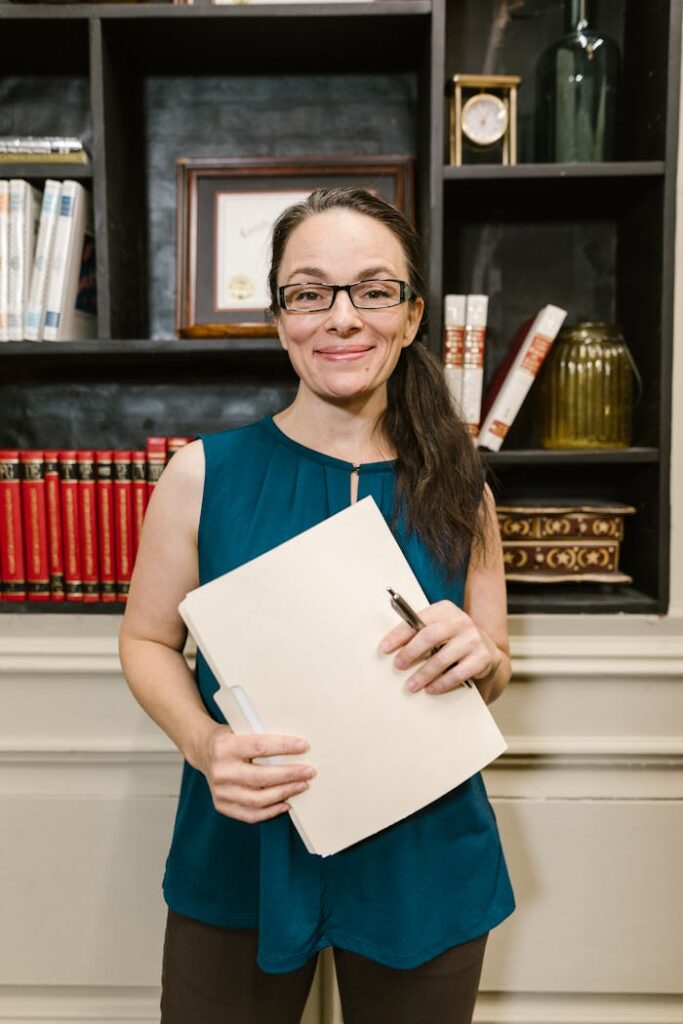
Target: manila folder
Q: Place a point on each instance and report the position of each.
(292, 637)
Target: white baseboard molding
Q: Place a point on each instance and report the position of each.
(577, 1008)
(37, 1004)
(72, 1005)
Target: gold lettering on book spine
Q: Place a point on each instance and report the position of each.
(89, 567)
(34, 519)
(123, 549)
(70, 517)
(51, 494)
(105, 505)
(10, 550)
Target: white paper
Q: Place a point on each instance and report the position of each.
(298, 630)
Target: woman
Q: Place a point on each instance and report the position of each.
(408, 910)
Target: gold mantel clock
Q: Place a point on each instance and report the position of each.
(483, 110)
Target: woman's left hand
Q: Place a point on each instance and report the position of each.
(455, 649)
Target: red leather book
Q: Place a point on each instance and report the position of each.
(11, 528)
(105, 519)
(55, 553)
(71, 525)
(87, 509)
(138, 467)
(123, 523)
(35, 524)
(156, 460)
(174, 444)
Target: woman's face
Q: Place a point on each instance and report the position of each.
(344, 352)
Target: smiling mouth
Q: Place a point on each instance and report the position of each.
(340, 353)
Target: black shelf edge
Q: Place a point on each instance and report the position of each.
(62, 608)
(541, 456)
(137, 12)
(556, 172)
(143, 347)
(29, 169)
(558, 602)
(544, 601)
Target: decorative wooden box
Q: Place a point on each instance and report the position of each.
(565, 542)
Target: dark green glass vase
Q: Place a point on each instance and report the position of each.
(577, 83)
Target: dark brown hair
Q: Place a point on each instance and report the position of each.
(439, 472)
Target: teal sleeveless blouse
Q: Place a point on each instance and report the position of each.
(434, 880)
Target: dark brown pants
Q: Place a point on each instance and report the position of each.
(210, 976)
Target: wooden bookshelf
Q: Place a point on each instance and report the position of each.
(330, 79)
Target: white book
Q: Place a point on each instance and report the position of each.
(35, 308)
(69, 307)
(454, 347)
(4, 259)
(516, 374)
(292, 637)
(476, 314)
(24, 214)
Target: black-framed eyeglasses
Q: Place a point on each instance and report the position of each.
(314, 298)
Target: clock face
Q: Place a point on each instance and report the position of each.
(484, 119)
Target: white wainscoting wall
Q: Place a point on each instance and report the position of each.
(589, 799)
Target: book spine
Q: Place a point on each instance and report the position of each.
(35, 525)
(67, 236)
(123, 523)
(54, 526)
(35, 308)
(174, 444)
(476, 314)
(138, 465)
(105, 517)
(68, 488)
(87, 510)
(17, 257)
(11, 531)
(4, 259)
(519, 378)
(454, 347)
(156, 460)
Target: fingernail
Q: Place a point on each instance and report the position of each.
(383, 647)
(413, 686)
(300, 746)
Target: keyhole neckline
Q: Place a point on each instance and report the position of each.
(329, 460)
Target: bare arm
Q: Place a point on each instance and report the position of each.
(153, 635)
(151, 641)
(486, 604)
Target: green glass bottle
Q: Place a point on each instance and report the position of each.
(577, 83)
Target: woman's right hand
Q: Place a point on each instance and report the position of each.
(251, 792)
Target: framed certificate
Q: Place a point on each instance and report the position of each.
(226, 210)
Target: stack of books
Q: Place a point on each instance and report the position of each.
(71, 521)
(489, 418)
(47, 262)
(43, 149)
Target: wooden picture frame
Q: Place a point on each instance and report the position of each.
(226, 208)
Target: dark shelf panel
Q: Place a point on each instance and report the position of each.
(142, 12)
(61, 608)
(39, 172)
(571, 599)
(556, 172)
(228, 347)
(542, 599)
(543, 457)
(178, 359)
